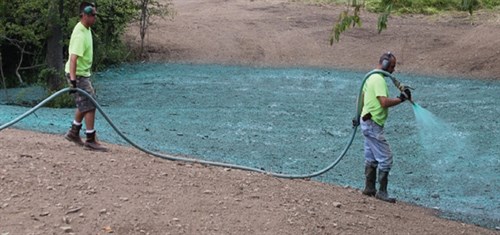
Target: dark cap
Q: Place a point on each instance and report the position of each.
(87, 8)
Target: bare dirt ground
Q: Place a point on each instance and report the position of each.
(283, 33)
(50, 186)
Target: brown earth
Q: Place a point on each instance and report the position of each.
(284, 33)
(50, 186)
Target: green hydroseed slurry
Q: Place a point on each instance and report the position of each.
(297, 120)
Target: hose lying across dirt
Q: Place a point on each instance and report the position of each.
(291, 176)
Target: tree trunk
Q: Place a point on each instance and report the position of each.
(54, 55)
(143, 23)
(3, 77)
(1, 72)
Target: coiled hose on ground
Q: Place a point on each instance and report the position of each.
(233, 166)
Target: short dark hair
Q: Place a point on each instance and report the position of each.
(84, 5)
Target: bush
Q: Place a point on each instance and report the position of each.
(431, 6)
(65, 100)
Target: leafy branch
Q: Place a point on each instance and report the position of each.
(346, 21)
(382, 18)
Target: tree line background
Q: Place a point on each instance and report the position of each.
(34, 36)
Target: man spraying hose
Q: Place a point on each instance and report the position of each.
(376, 104)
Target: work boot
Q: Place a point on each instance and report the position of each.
(73, 134)
(92, 144)
(382, 191)
(371, 178)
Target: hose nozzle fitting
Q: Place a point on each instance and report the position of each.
(401, 87)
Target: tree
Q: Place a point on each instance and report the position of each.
(147, 9)
(113, 18)
(1, 72)
(22, 31)
(347, 20)
(35, 33)
(54, 55)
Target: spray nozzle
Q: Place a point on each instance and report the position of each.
(402, 87)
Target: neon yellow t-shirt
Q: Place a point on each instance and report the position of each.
(375, 86)
(81, 45)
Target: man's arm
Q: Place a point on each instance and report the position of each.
(388, 102)
(72, 67)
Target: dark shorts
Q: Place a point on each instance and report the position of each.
(83, 103)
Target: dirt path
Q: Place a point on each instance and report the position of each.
(280, 33)
(49, 186)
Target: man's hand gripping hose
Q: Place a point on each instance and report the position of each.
(405, 90)
(73, 85)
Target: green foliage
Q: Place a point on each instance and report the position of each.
(26, 26)
(386, 7)
(23, 26)
(112, 20)
(490, 4)
(346, 21)
(22, 34)
(45, 72)
(430, 6)
(25, 30)
(111, 54)
(23, 21)
(382, 19)
(158, 8)
(320, 1)
(469, 5)
(63, 101)
(110, 26)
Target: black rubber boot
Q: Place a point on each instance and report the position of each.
(382, 191)
(73, 134)
(371, 178)
(92, 144)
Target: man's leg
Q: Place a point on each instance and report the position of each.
(73, 133)
(89, 119)
(370, 162)
(383, 154)
(382, 192)
(91, 141)
(79, 116)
